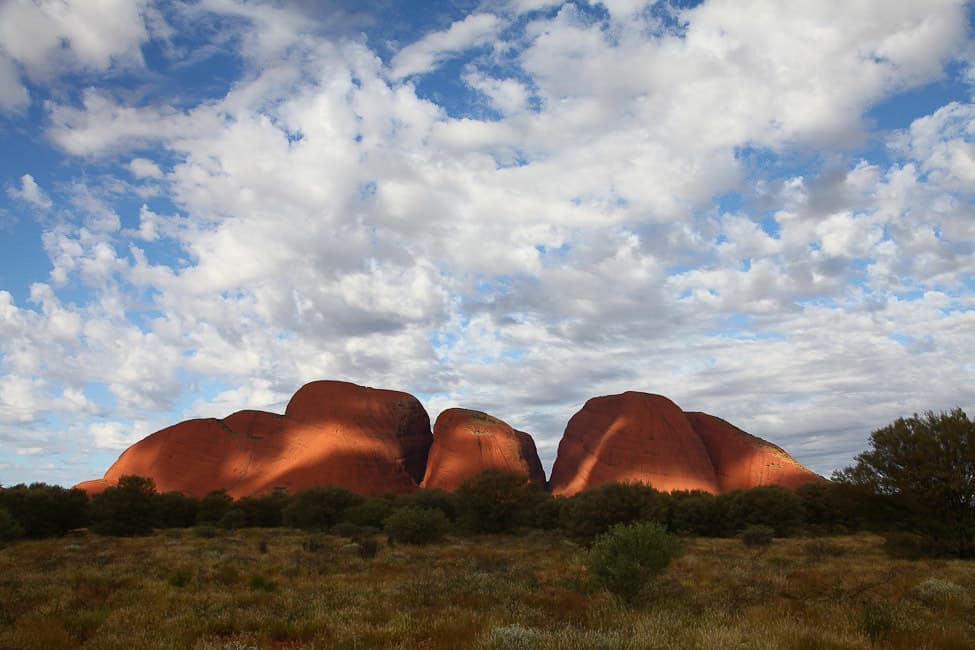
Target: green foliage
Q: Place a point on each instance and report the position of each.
(413, 525)
(435, 498)
(591, 513)
(696, 512)
(368, 547)
(757, 535)
(260, 583)
(265, 511)
(830, 507)
(233, 519)
(9, 528)
(925, 466)
(213, 506)
(905, 545)
(43, 510)
(319, 508)
(771, 505)
(205, 531)
(629, 556)
(370, 512)
(175, 510)
(496, 501)
(125, 509)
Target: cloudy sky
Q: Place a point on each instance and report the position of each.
(760, 209)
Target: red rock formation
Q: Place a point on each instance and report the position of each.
(93, 487)
(466, 443)
(631, 437)
(368, 440)
(743, 461)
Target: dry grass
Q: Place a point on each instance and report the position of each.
(176, 589)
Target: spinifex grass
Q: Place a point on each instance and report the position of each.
(180, 590)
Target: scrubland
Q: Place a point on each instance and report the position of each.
(282, 588)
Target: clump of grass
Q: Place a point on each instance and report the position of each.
(180, 578)
(513, 637)
(820, 549)
(940, 592)
(260, 583)
(877, 621)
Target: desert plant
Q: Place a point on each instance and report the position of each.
(43, 510)
(126, 508)
(175, 510)
(414, 525)
(768, 505)
(513, 637)
(757, 535)
(205, 531)
(496, 501)
(261, 583)
(234, 518)
(368, 547)
(937, 591)
(625, 559)
(904, 545)
(820, 549)
(9, 528)
(319, 508)
(591, 513)
(213, 506)
(370, 512)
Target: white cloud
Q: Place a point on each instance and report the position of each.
(433, 49)
(144, 168)
(13, 95)
(31, 192)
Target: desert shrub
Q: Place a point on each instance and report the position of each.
(213, 506)
(368, 547)
(43, 510)
(313, 544)
(205, 531)
(370, 512)
(265, 511)
(770, 505)
(820, 549)
(513, 637)
(546, 513)
(9, 528)
(831, 507)
(937, 591)
(414, 525)
(877, 621)
(233, 519)
(175, 510)
(496, 501)
(180, 578)
(629, 556)
(434, 498)
(695, 512)
(591, 513)
(125, 509)
(350, 530)
(757, 535)
(319, 508)
(262, 546)
(261, 583)
(906, 546)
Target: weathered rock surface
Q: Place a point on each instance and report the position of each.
(743, 461)
(332, 433)
(631, 437)
(467, 442)
(647, 438)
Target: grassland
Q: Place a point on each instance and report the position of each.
(279, 588)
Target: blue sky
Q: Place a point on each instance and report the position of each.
(762, 210)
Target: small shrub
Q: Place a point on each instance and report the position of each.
(180, 578)
(757, 535)
(936, 591)
(820, 549)
(368, 547)
(906, 546)
(260, 583)
(206, 532)
(877, 621)
(413, 525)
(262, 546)
(9, 528)
(233, 519)
(313, 544)
(350, 530)
(627, 557)
(513, 637)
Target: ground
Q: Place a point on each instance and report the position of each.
(278, 588)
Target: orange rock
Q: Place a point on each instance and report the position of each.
(743, 461)
(333, 433)
(465, 443)
(93, 487)
(631, 437)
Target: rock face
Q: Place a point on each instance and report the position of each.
(743, 461)
(368, 440)
(631, 437)
(467, 442)
(647, 438)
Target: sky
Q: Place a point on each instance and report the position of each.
(760, 209)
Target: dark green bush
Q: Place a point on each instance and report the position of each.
(319, 508)
(261, 583)
(368, 547)
(412, 525)
(233, 519)
(629, 556)
(125, 509)
(213, 506)
(175, 510)
(43, 510)
(9, 528)
(434, 498)
(907, 546)
(496, 501)
(757, 535)
(265, 511)
(696, 513)
(771, 505)
(350, 530)
(205, 531)
(591, 513)
(371, 512)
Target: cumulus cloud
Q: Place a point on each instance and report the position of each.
(31, 192)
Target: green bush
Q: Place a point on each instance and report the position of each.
(319, 508)
(770, 505)
(205, 531)
(175, 510)
(265, 511)
(368, 547)
(696, 513)
(261, 583)
(125, 509)
(496, 501)
(371, 512)
(9, 528)
(903, 545)
(589, 514)
(629, 556)
(757, 535)
(435, 498)
(233, 519)
(43, 510)
(414, 525)
(213, 506)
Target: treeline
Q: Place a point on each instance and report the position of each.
(492, 502)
